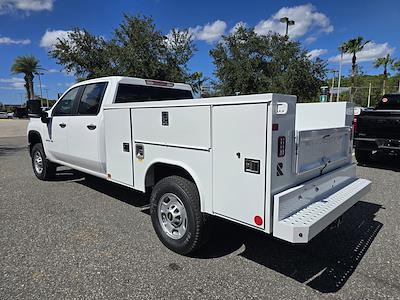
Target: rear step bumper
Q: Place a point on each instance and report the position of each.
(324, 200)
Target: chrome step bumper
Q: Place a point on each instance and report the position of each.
(326, 199)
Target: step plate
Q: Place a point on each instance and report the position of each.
(303, 225)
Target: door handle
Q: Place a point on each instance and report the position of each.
(91, 127)
(62, 125)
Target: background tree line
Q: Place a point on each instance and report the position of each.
(245, 62)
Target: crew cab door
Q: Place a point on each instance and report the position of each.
(57, 141)
(85, 128)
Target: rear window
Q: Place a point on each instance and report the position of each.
(136, 93)
(391, 101)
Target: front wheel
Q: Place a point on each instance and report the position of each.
(176, 216)
(43, 169)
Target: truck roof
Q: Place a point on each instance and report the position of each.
(138, 81)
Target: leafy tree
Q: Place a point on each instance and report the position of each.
(83, 54)
(249, 63)
(27, 65)
(385, 62)
(137, 48)
(353, 46)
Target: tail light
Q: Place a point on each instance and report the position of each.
(355, 124)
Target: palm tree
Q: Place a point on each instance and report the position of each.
(27, 65)
(385, 62)
(353, 46)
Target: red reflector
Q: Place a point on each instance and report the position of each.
(159, 83)
(281, 146)
(258, 220)
(275, 127)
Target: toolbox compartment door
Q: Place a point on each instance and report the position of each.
(239, 151)
(118, 140)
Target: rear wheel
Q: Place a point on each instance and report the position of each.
(43, 169)
(176, 216)
(363, 156)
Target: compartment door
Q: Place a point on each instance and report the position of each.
(239, 152)
(118, 139)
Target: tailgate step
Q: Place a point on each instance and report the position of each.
(303, 225)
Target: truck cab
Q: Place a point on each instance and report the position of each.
(73, 131)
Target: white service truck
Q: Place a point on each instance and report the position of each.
(259, 160)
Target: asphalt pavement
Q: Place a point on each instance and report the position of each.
(80, 237)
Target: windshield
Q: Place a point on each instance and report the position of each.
(389, 101)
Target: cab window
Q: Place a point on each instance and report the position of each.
(91, 98)
(66, 105)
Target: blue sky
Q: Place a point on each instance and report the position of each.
(32, 26)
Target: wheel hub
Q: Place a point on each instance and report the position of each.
(38, 162)
(172, 216)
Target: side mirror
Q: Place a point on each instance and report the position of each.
(44, 116)
(34, 108)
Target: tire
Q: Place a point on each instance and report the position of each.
(176, 216)
(363, 156)
(43, 168)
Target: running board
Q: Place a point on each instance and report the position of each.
(324, 209)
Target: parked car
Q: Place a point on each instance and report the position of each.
(10, 115)
(3, 115)
(378, 128)
(262, 161)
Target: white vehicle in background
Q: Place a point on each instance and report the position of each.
(259, 160)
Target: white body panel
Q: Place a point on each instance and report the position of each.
(119, 160)
(323, 115)
(187, 126)
(239, 132)
(83, 143)
(211, 139)
(56, 138)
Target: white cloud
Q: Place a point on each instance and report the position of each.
(9, 41)
(211, 32)
(310, 40)
(53, 71)
(306, 19)
(316, 52)
(50, 37)
(7, 6)
(370, 52)
(14, 83)
(237, 26)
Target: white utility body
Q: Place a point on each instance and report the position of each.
(259, 160)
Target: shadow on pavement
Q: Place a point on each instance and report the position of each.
(11, 150)
(117, 191)
(325, 264)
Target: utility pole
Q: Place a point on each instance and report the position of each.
(340, 75)
(369, 95)
(288, 23)
(333, 85)
(47, 97)
(40, 84)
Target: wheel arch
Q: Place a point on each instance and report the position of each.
(162, 168)
(34, 137)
